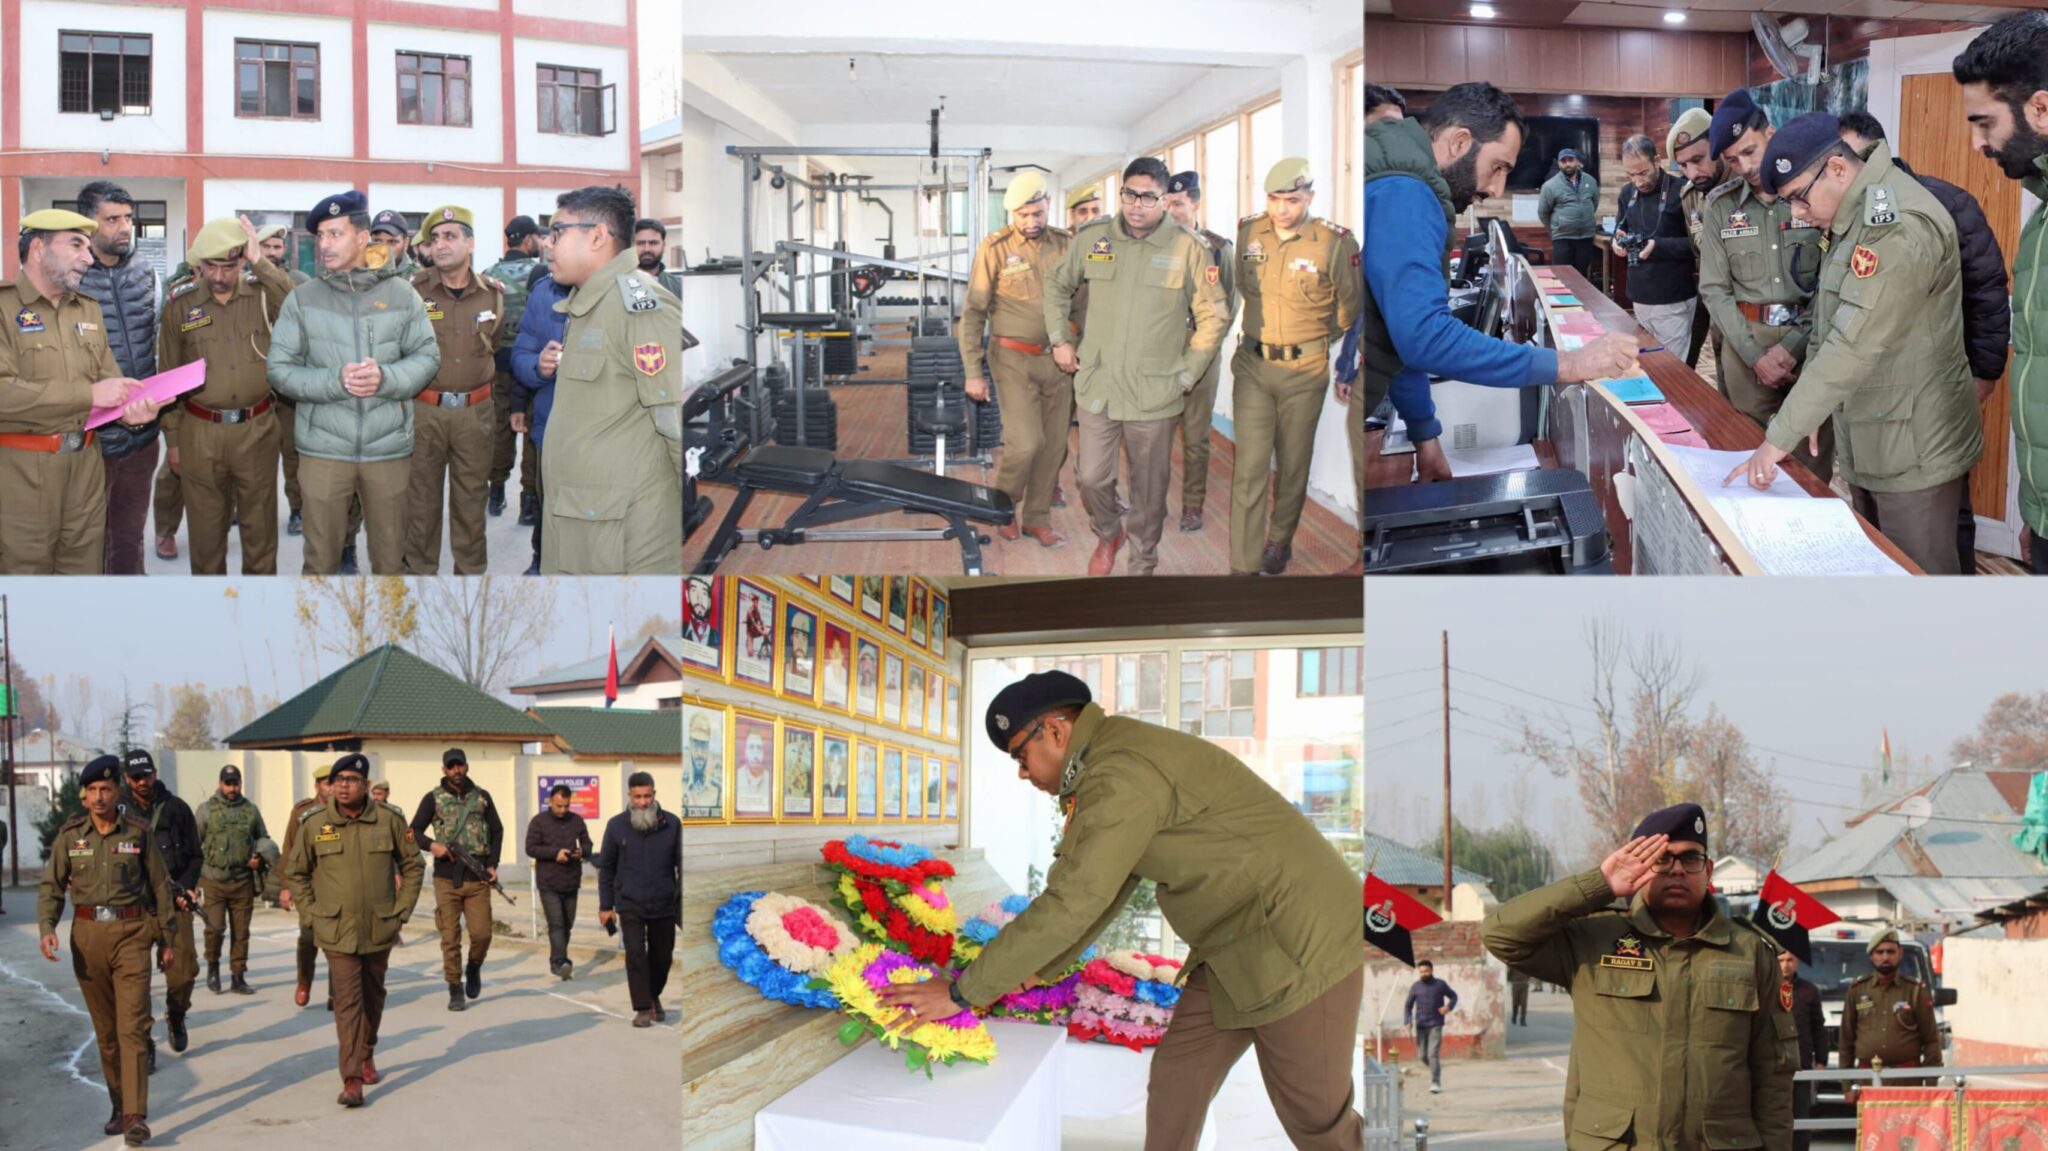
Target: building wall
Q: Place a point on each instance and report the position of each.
(635, 696)
(42, 126)
(1476, 1028)
(333, 134)
(1999, 1014)
(483, 142)
(616, 151)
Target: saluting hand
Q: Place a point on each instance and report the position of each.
(1628, 869)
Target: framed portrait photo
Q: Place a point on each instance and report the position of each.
(835, 774)
(704, 626)
(899, 604)
(940, 613)
(873, 590)
(753, 774)
(799, 652)
(952, 710)
(892, 689)
(704, 775)
(913, 698)
(952, 789)
(753, 626)
(835, 668)
(917, 614)
(935, 705)
(913, 786)
(840, 587)
(867, 781)
(799, 798)
(867, 678)
(934, 788)
(892, 783)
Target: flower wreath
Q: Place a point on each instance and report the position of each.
(1049, 1003)
(778, 944)
(1125, 998)
(883, 861)
(912, 924)
(858, 977)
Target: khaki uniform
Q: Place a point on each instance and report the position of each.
(1138, 362)
(1301, 290)
(455, 427)
(307, 950)
(120, 891)
(1195, 419)
(1691, 202)
(227, 838)
(1264, 901)
(1751, 253)
(1006, 293)
(340, 870)
(1677, 1043)
(613, 467)
(226, 433)
(54, 520)
(1893, 1022)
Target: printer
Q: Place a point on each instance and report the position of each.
(1541, 522)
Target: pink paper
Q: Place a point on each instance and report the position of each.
(1544, 273)
(162, 387)
(1663, 418)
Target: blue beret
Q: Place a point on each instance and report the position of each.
(1017, 705)
(339, 205)
(1733, 117)
(1185, 182)
(360, 764)
(105, 769)
(1796, 146)
(1685, 821)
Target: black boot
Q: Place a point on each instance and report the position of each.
(347, 566)
(495, 505)
(176, 1026)
(528, 512)
(213, 977)
(474, 981)
(533, 569)
(292, 526)
(455, 1000)
(241, 986)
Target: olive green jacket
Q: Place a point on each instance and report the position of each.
(228, 831)
(1261, 897)
(1895, 1024)
(339, 872)
(1751, 253)
(1677, 1044)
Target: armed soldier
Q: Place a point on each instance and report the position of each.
(229, 829)
(460, 813)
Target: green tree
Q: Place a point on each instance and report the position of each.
(191, 725)
(63, 806)
(1514, 859)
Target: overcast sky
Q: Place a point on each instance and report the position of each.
(1813, 669)
(661, 58)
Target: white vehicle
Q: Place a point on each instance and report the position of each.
(1840, 956)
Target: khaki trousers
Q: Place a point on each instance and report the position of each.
(184, 968)
(453, 907)
(53, 519)
(227, 906)
(1194, 438)
(1148, 447)
(1276, 405)
(1036, 398)
(227, 471)
(451, 451)
(358, 985)
(1922, 523)
(328, 487)
(113, 961)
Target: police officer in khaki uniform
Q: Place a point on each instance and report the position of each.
(1886, 361)
(461, 813)
(307, 950)
(1686, 144)
(1184, 204)
(1137, 361)
(229, 828)
(224, 439)
(1302, 287)
(456, 420)
(1083, 204)
(55, 368)
(177, 835)
(1006, 295)
(1268, 907)
(111, 869)
(340, 869)
(1679, 1035)
(1888, 1017)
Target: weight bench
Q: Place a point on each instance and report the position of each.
(838, 491)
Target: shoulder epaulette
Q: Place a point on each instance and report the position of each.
(1334, 226)
(638, 296)
(1001, 233)
(311, 812)
(74, 821)
(1878, 208)
(1724, 186)
(185, 288)
(1248, 219)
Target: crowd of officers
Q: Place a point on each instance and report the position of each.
(137, 862)
(397, 382)
(1115, 322)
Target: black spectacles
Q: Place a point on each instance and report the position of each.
(1691, 862)
(555, 230)
(1129, 197)
(1029, 735)
(1800, 196)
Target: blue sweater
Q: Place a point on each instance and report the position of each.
(1424, 997)
(1406, 237)
(537, 325)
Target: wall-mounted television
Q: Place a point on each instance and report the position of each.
(1543, 137)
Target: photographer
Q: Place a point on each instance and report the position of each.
(558, 842)
(1650, 227)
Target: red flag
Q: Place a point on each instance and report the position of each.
(611, 671)
(1390, 914)
(1787, 913)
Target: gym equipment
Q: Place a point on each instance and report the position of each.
(712, 439)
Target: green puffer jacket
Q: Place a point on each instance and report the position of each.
(2030, 351)
(340, 319)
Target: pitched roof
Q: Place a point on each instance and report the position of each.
(1404, 866)
(614, 733)
(388, 692)
(661, 653)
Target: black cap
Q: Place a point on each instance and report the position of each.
(1797, 146)
(354, 762)
(453, 756)
(1017, 705)
(520, 228)
(137, 762)
(1685, 821)
(337, 206)
(1185, 182)
(231, 774)
(105, 769)
(1734, 117)
(390, 221)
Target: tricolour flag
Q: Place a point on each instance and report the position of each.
(1786, 914)
(1390, 914)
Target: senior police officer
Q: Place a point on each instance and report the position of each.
(461, 813)
(523, 263)
(223, 439)
(1302, 288)
(55, 369)
(1005, 294)
(1265, 903)
(1184, 204)
(455, 422)
(341, 867)
(177, 834)
(1888, 1017)
(229, 827)
(110, 867)
(307, 950)
(1687, 146)
(1886, 361)
(1679, 1037)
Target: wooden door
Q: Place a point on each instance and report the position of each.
(1935, 139)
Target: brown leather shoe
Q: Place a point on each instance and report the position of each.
(643, 1019)
(1273, 560)
(1191, 520)
(134, 1130)
(370, 1073)
(116, 1123)
(1046, 537)
(302, 993)
(351, 1093)
(1010, 532)
(166, 549)
(1104, 560)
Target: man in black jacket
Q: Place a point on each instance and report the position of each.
(640, 884)
(460, 812)
(170, 820)
(1652, 211)
(1987, 308)
(1802, 998)
(129, 292)
(558, 842)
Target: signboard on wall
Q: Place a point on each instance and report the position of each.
(582, 793)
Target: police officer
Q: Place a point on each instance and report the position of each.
(55, 369)
(275, 244)
(613, 467)
(455, 422)
(460, 812)
(1136, 362)
(521, 265)
(1758, 269)
(1184, 204)
(1679, 1031)
(1275, 958)
(307, 950)
(113, 871)
(1302, 288)
(391, 242)
(1083, 204)
(341, 867)
(1887, 1016)
(1887, 361)
(177, 834)
(1006, 295)
(1687, 145)
(223, 438)
(229, 828)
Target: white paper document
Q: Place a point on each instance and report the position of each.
(1492, 461)
(1818, 537)
(1708, 468)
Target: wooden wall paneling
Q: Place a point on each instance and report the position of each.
(1394, 52)
(1599, 61)
(1636, 70)
(1444, 55)
(1486, 53)
(1521, 48)
(1558, 54)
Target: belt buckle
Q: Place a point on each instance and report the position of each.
(70, 441)
(103, 914)
(454, 400)
(233, 417)
(1778, 315)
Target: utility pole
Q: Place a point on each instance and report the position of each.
(1447, 773)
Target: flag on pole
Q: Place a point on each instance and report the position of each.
(1885, 751)
(1786, 913)
(611, 671)
(1390, 914)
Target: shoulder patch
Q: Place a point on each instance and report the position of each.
(1879, 208)
(78, 820)
(308, 814)
(133, 820)
(1250, 218)
(638, 296)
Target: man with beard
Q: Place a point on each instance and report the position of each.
(129, 292)
(650, 236)
(640, 886)
(1569, 205)
(1419, 175)
(460, 812)
(2004, 74)
(229, 827)
(704, 790)
(1759, 266)
(1649, 214)
(177, 833)
(1886, 1016)
(558, 842)
(1686, 144)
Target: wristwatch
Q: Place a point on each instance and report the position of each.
(960, 1001)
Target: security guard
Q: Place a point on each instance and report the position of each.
(1887, 360)
(229, 828)
(1887, 1016)
(1687, 146)
(1136, 362)
(1758, 269)
(455, 423)
(460, 812)
(523, 262)
(307, 951)
(177, 834)
(110, 867)
(224, 439)
(340, 868)
(1184, 201)
(1680, 1036)
(55, 368)
(1302, 287)
(1006, 295)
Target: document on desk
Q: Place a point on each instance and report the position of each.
(1809, 537)
(1492, 461)
(1708, 468)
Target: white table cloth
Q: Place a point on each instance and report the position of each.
(1102, 1081)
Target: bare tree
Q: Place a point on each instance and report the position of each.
(485, 629)
(1749, 812)
(656, 625)
(191, 724)
(78, 701)
(352, 617)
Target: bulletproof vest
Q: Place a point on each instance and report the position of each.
(460, 819)
(229, 835)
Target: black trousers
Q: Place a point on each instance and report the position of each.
(2037, 554)
(1701, 321)
(560, 908)
(650, 949)
(1802, 1107)
(1578, 254)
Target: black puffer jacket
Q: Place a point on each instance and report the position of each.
(177, 831)
(641, 871)
(1987, 309)
(130, 298)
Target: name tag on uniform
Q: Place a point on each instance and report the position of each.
(195, 318)
(1735, 233)
(80, 850)
(1254, 252)
(87, 326)
(485, 317)
(1626, 962)
(128, 847)
(435, 314)
(1303, 264)
(1012, 264)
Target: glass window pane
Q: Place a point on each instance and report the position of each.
(1152, 683)
(1311, 672)
(136, 46)
(74, 42)
(408, 99)
(1241, 724)
(458, 65)
(1241, 693)
(277, 89)
(1215, 722)
(430, 96)
(1219, 178)
(593, 116)
(246, 88)
(431, 64)
(1267, 148)
(1183, 156)
(458, 102)
(1240, 664)
(106, 44)
(309, 93)
(305, 54)
(407, 62)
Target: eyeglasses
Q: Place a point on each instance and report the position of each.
(1691, 862)
(556, 229)
(1129, 197)
(1029, 735)
(1800, 196)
